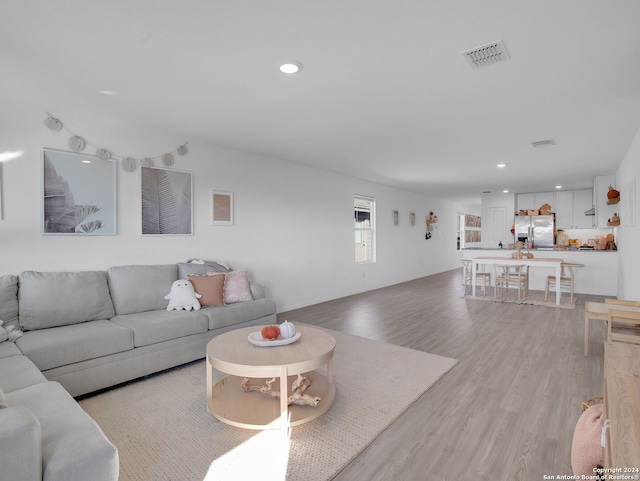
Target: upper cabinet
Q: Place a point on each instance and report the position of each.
(568, 205)
(535, 201)
(542, 198)
(583, 201)
(563, 206)
(525, 202)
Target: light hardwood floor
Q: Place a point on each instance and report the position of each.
(507, 411)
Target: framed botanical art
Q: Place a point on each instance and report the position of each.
(221, 208)
(166, 201)
(412, 219)
(395, 216)
(78, 194)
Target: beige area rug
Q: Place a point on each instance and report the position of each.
(535, 298)
(162, 430)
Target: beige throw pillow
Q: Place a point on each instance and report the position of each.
(210, 288)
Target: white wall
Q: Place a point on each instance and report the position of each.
(628, 237)
(293, 224)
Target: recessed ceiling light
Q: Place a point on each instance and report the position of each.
(502, 165)
(86, 161)
(505, 191)
(558, 187)
(290, 67)
(110, 93)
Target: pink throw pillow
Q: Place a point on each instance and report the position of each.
(586, 450)
(236, 287)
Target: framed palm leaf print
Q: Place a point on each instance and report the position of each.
(78, 194)
(166, 201)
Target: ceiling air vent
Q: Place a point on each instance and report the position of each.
(487, 55)
(542, 143)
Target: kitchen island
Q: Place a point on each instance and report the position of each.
(599, 276)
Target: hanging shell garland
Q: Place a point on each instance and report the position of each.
(167, 159)
(128, 164)
(77, 143)
(182, 150)
(53, 123)
(103, 154)
(287, 330)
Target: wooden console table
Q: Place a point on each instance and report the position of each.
(622, 407)
(599, 310)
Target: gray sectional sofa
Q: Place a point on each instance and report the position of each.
(85, 331)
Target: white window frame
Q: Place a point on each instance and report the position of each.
(362, 253)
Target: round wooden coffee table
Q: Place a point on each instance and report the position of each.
(242, 403)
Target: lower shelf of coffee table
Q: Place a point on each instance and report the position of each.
(256, 410)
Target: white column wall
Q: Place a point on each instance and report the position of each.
(628, 237)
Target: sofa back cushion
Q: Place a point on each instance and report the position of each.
(141, 288)
(50, 299)
(9, 300)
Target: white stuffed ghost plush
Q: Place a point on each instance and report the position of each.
(183, 296)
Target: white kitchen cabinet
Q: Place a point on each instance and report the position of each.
(526, 202)
(583, 201)
(563, 206)
(604, 211)
(541, 198)
(569, 207)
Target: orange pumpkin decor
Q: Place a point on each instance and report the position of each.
(613, 193)
(271, 332)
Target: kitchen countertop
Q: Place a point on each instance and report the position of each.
(506, 249)
(599, 275)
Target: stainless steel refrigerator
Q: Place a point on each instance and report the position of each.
(538, 229)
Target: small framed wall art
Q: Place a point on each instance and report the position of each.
(78, 194)
(166, 201)
(221, 207)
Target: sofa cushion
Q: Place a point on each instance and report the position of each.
(64, 345)
(73, 446)
(9, 349)
(236, 313)
(18, 372)
(9, 300)
(210, 288)
(158, 326)
(236, 287)
(140, 288)
(50, 299)
(20, 445)
(3, 400)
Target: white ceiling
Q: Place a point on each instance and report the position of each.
(385, 93)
